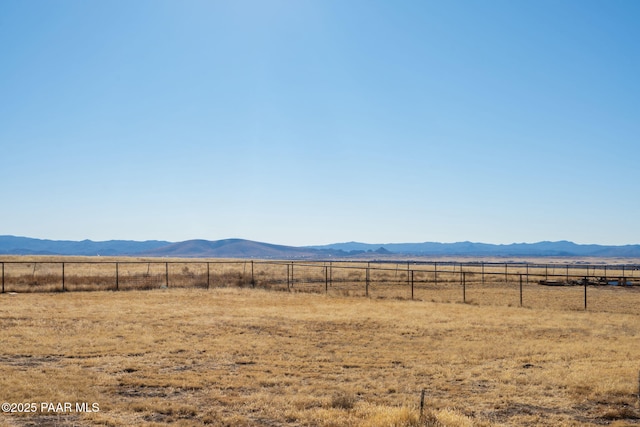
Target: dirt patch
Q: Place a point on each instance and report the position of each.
(149, 391)
(27, 360)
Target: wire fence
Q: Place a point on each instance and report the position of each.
(602, 287)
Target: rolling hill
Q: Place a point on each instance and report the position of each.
(234, 248)
(241, 248)
(13, 245)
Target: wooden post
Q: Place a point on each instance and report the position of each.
(567, 273)
(521, 290)
(422, 401)
(366, 290)
(326, 279)
(292, 274)
(63, 277)
(117, 277)
(483, 272)
(208, 277)
(166, 271)
(288, 279)
(546, 272)
(412, 284)
(464, 288)
(253, 281)
(505, 272)
(585, 295)
(3, 277)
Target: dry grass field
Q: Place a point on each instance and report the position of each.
(252, 357)
(485, 282)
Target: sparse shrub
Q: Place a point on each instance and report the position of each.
(343, 400)
(620, 413)
(231, 279)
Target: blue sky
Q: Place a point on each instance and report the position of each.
(309, 122)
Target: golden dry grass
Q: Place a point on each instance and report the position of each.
(485, 283)
(250, 357)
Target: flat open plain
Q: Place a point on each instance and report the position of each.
(250, 357)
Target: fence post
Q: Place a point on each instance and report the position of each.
(585, 295)
(326, 280)
(292, 274)
(3, 277)
(366, 289)
(521, 289)
(253, 281)
(208, 276)
(288, 280)
(117, 276)
(63, 277)
(464, 287)
(166, 272)
(567, 273)
(412, 284)
(483, 272)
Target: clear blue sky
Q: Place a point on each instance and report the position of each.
(310, 122)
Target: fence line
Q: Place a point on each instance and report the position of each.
(477, 282)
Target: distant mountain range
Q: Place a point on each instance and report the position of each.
(240, 248)
(12, 245)
(560, 248)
